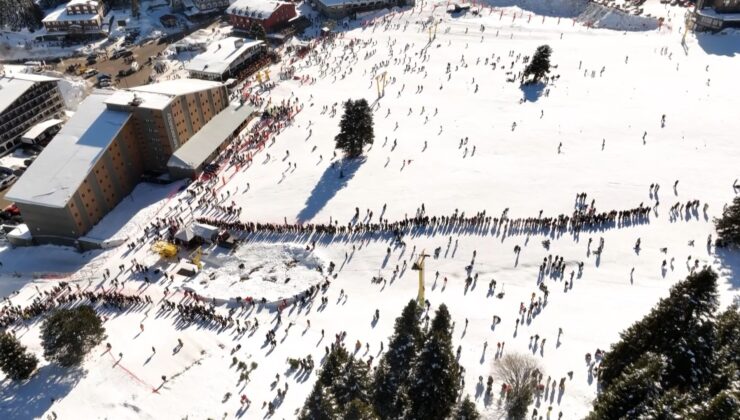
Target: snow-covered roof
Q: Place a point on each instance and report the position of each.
(256, 9)
(60, 14)
(62, 167)
(208, 139)
(158, 95)
(221, 55)
(334, 3)
(177, 87)
(140, 99)
(204, 231)
(15, 85)
(92, 3)
(39, 128)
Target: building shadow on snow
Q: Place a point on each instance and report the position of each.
(32, 398)
(335, 178)
(716, 44)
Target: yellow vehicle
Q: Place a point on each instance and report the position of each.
(165, 249)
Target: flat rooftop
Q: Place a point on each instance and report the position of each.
(259, 9)
(14, 85)
(159, 95)
(208, 139)
(220, 55)
(39, 128)
(62, 167)
(60, 14)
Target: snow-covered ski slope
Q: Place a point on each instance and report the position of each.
(645, 75)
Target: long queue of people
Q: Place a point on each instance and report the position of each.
(479, 223)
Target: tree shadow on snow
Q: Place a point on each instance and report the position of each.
(32, 398)
(532, 91)
(716, 44)
(729, 263)
(335, 178)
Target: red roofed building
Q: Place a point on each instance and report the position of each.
(272, 15)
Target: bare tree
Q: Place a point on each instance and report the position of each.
(519, 372)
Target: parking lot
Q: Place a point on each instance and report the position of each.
(141, 54)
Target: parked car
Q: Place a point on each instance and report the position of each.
(7, 180)
(126, 72)
(89, 73)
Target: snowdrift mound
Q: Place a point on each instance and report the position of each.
(599, 16)
(272, 272)
(584, 11)
(555, 8)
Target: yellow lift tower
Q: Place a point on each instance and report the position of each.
(419, 266)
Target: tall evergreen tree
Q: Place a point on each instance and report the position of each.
(19, 14)
(630, 397)
(354, 384)
(680, 327)
(14, 360)
(359, 410)
(68, 334)
(539, 66)
(728, 226)
(355, 128)
(320, 405)
(435, 381)
(257, 31)
(391, 377)
(467, 410)
(680, 361)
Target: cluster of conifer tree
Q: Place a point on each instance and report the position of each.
(418, 377)
(679, 362)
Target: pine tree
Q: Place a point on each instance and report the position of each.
(539, 66)
(728, 226)
(359, 410)
(354, 383)
(14, 360)
(320, 405)
(333, 368)
(19, 14)
(467, 410)
(355, 128)
(68, 334)
(630, 396)
(680, 327)
(391, 377)
(680, 361)
(435, 381)
(725, 405)
(257, 31)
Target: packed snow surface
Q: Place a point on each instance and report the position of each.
(269, 271)
(596, 128)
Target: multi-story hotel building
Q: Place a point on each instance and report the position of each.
(76, 17)
(99, 155)
(26, 100)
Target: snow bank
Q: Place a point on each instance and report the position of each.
(604, 17)
(273, 272)
(73, 91)
(556, 8)
(584, 11)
